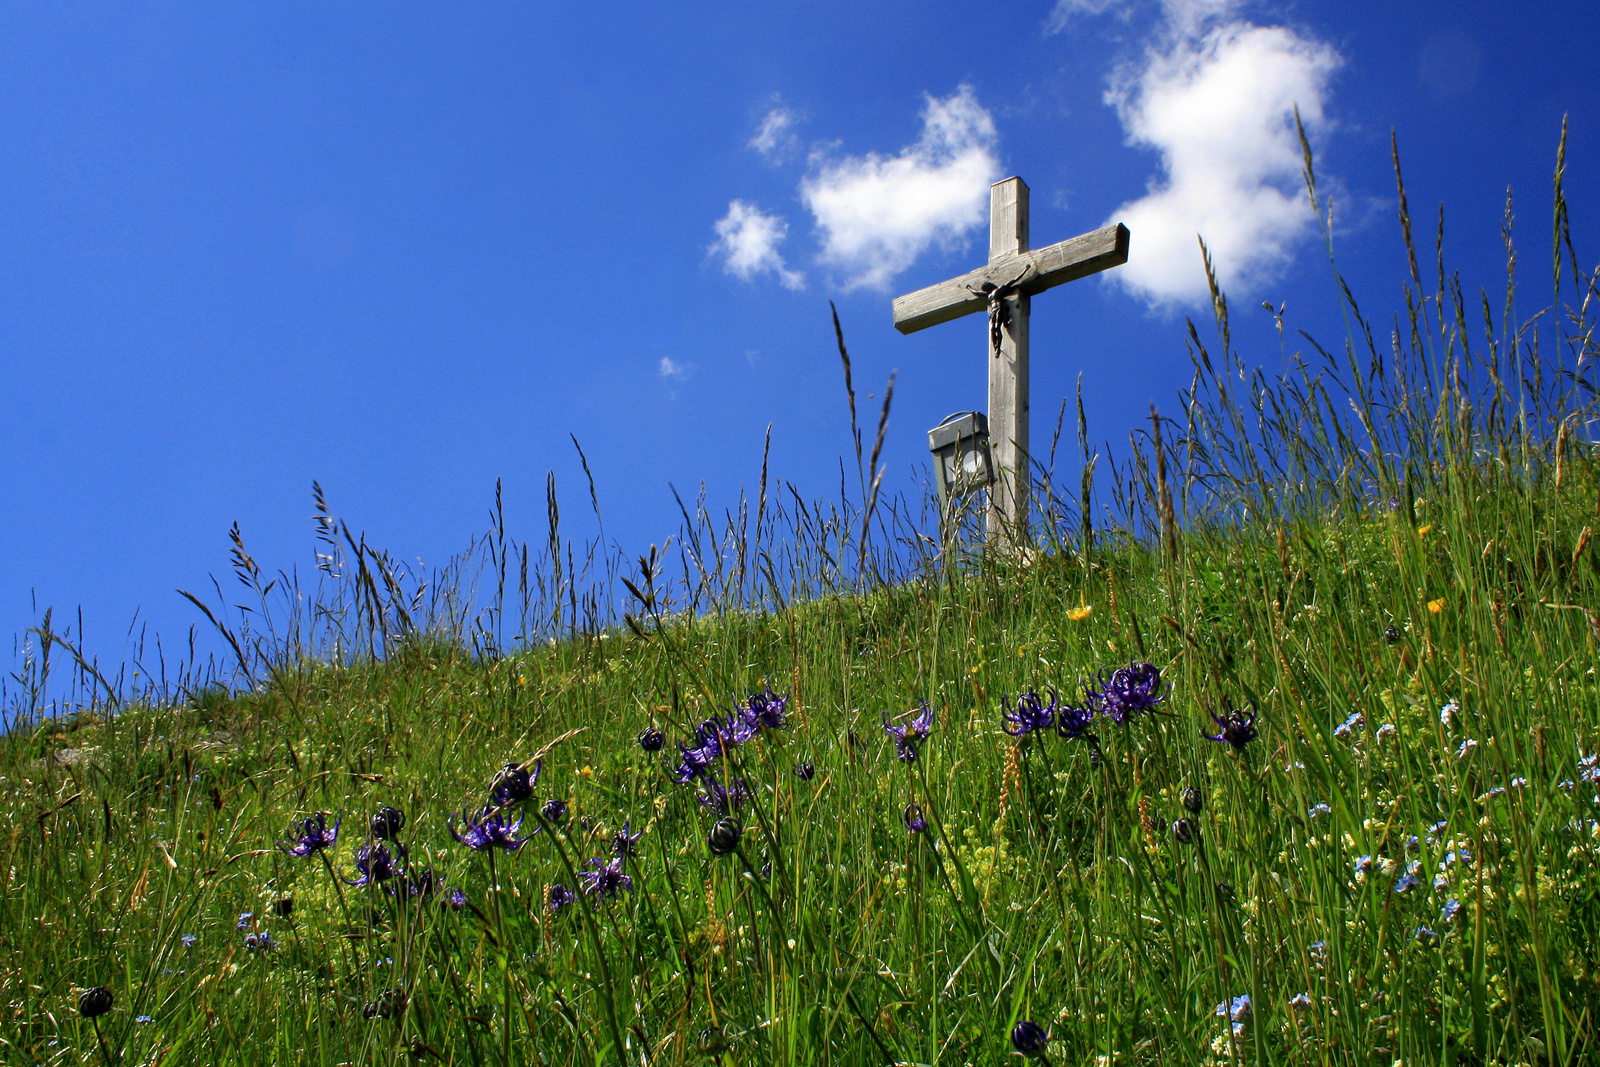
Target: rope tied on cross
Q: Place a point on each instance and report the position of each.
(999, 310)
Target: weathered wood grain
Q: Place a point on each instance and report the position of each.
(1057, 264)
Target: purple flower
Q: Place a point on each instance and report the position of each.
(246, 920)
(1029, 1038)
(488, 829)
(764, 711)
(694, 764)
(914, 821)
(375, 863)
(714, 797)
(458, 899)
(419, 885)
(1237, 727)
(604, 879)
(1071, 722)
(805, 771)
(1451, 909)
(554, 810)
(651, 739)
(387, 823)
(556, 897)
(514, 784)
(1129, 691)
(1032, 713)
(259, 942)
(622, 842)
(313, 835)
(908, 736)
(189, 940)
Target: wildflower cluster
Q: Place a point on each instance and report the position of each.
(1117, 695)
(717, 736)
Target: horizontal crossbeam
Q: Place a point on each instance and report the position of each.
(1062, 262)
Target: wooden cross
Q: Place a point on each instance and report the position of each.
(1004, 288)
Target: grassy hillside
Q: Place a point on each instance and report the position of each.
(1388, 614)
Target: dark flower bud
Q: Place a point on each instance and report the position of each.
(391, 1004)
(914, 821)
(284, 907)
(95, 1002)
(512, 785)
(554, 810)
(387, 823)
(805, 771)
(1184, 831)
(1225, 891)
(724, 837)
(1392, 635)
(651, 739)
(1193, 799)
(1029, 1038)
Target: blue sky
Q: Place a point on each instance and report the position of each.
(408, 250)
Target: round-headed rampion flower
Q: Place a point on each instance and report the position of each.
(488, 829)
(1071, 722)
(388, 822)
(694, 764)
(1032, 713)
(312, 835)
(1392, 634)
(805, 771)
(514, 784)
(415, 885)
(1184, 831)
(375, 863)
(556, 897)
(95, 1002)
(764, 711)
(1193, 800)
(651, 739)
(724, 836)
(912, 733)
(604, 879)
(622, 842)
(1236, 728)
(714, 797)
(554, 811)
(458, 899)
(1029, 1038)
(1129, 691)
(914, 821)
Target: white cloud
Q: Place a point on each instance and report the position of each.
(670, 368)
(775, 138)
(875, 215)
(1217, 101)
(747, 241)
(1066, 10)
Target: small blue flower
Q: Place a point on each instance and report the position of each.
(259, 942)
(1426, 936)
(189, 940)
(909, 736)
(142, 1019)
(246, 920)
(1318, 810)
(1300, 1001)
(1032, 713)
(556, 897)
(622, 843)
(1349, 726)
(312, 836)
(604, 879)
(488, 829)
(1407, 882)
(458, 899)
(1237, 726)
(1362, 866)
(1451, 909)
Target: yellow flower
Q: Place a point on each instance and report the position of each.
(1422, 531)
(1079, 614)
(1436, 606)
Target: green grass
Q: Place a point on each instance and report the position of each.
(1273, 548)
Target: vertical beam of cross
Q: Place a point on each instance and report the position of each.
(1008, 370)
(1005, 287)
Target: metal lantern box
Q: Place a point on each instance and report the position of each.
(961, 460)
